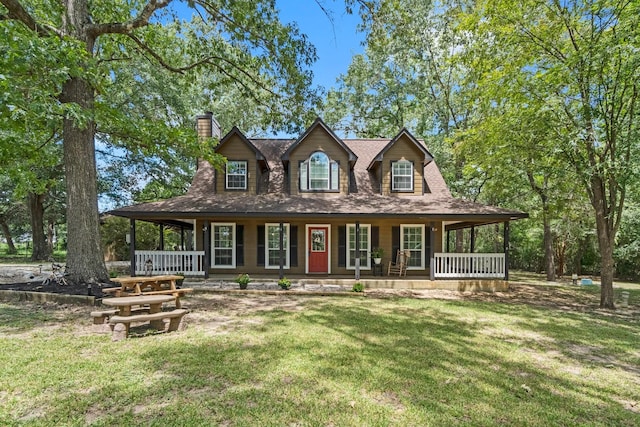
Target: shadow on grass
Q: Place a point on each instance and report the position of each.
(414, 362)
(372, 362)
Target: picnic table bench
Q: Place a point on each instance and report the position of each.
(128, 311)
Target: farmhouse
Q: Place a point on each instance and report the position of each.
(323, 206)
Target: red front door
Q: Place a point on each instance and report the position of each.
(318, 249)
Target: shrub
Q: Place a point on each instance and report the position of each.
(284, 283)
(358, 287)
(243, 280)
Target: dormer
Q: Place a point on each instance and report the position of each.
(245, 165)
(399, 166)
(318, 162)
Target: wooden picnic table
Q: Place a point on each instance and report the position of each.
(126, 316)
(148, 285)
(139, 283)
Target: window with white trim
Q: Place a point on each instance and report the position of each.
(412, 240)
(402, 175)
(223, 245)
(365, 246)
(236, 175)
(272, 247)
(319, 173)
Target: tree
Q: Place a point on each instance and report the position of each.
(581, 60)
(243, 41)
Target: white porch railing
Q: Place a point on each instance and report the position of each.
(469, 266)
(191, 263)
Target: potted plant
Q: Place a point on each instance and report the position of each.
(284, 283)
(377, 254)
(243, 280)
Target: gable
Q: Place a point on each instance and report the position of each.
(403, 140)
(319, 133)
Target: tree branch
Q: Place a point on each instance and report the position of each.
(206, 60)
(127, 27)
(17, 12)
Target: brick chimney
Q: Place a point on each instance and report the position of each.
(207, 126)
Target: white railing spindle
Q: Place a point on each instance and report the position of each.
(469, 266)
(190, 263)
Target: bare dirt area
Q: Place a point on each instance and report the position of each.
(217, 312)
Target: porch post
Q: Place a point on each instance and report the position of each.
(432, 243)
(132, 246)
(473, 239)
(182, 248)
(448, 240)
(161, 237)
(206, 245)
(281, 250)
(473, 246)
(357, 250)
(506, 249)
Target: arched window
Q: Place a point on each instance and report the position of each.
(319, 173)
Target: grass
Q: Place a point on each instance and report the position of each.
(283, 360)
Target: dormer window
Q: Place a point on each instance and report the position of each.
(402, 176)
(236, 175)
(319, 173)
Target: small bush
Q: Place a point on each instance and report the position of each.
(113, 274)
(358, 287)
(284, 283)
(243, 280)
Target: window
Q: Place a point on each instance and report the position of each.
(365, 246)
(319, 173)
(223, 245)
(412, 240)
(402, 176)
(236, 175)
(272, 247)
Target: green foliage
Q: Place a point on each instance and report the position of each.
(377, 252)
(284, 283)
(358, 287)
(627, 252)
(114, 230)
(243, 280)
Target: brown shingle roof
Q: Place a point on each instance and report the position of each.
(364, 200)
(188, 206)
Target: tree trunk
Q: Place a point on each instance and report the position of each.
(85, 260)
(606, 237)
(84, 251)
(561, 253)
(11, 248)
(50, 234)
(36, 214)
(549, 264)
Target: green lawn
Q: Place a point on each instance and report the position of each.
(330, 361)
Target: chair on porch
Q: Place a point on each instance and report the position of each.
(399, 267)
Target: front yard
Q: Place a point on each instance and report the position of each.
(533, 356)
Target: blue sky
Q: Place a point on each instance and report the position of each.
(336, 42)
